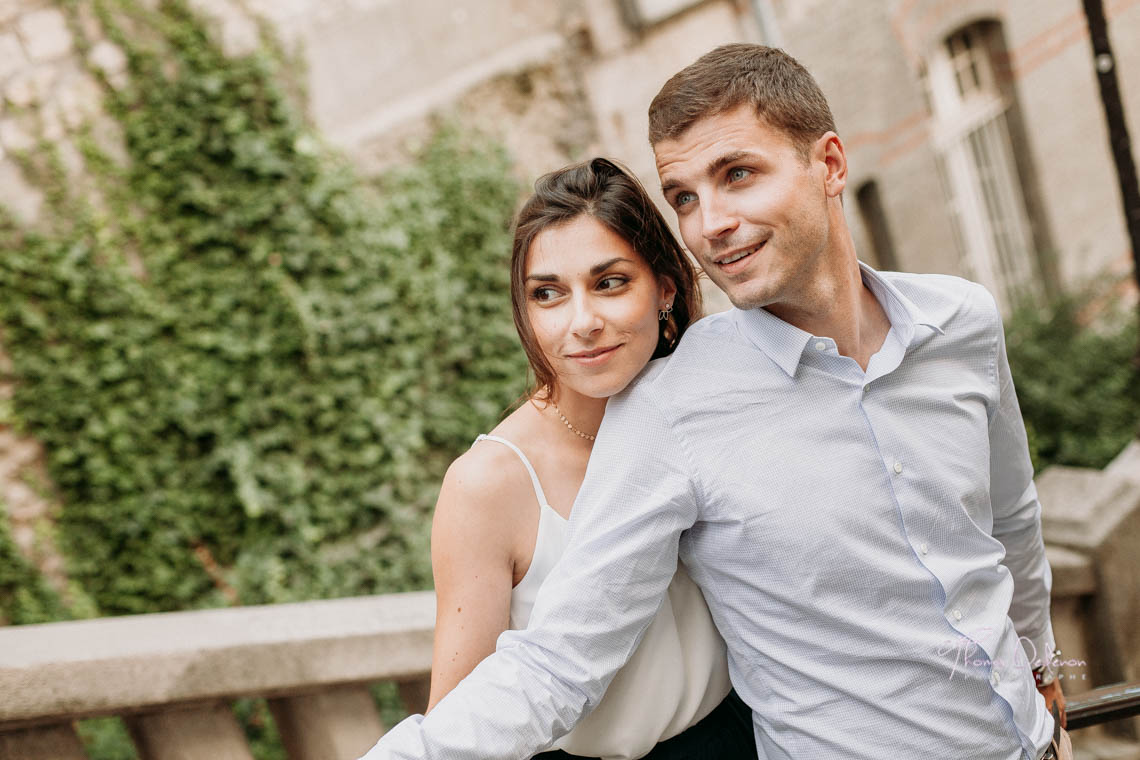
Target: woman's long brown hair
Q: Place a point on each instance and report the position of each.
(604, 190)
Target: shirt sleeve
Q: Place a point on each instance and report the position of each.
(592, 610)
(1017, 516)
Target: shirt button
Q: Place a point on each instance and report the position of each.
(923, 549)
(957, 614)
(866, 389)
(819, 346)
(995, 679)
(898, 468)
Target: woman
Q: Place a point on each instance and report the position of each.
(599, 287)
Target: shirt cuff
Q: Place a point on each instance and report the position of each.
(1039, 651)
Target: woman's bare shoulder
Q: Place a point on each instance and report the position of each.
(484, 474)
(489, 482)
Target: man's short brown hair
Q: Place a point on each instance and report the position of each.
(782, 91)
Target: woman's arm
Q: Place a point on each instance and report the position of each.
(473, 541)
(638, 496)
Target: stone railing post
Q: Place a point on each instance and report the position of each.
(337, 724)
(414, 694)
(56, 742)
(208, 732)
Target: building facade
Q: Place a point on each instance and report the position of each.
(974, 129)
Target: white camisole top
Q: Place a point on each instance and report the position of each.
(677, 675)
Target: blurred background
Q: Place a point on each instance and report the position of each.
(253, 294)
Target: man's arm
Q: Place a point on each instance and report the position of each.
(592, 610)
(1017, 515)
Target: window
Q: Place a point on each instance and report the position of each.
(978, 163)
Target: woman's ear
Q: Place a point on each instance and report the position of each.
(668, 290)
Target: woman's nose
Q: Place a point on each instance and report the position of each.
(586, 319)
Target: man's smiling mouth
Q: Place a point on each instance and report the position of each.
(732, 258)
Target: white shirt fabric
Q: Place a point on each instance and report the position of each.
(869, 544)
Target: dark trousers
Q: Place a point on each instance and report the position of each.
(724, 734)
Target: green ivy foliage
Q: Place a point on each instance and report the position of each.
(1078, 389)
(24, 595)
(249, 368)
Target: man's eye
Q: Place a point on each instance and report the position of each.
(737, 174)
(682, 198)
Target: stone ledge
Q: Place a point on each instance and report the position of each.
(1082, 507)
(1126, 466)
(135, 663)
(1073, 573)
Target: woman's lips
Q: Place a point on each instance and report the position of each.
(595, 357)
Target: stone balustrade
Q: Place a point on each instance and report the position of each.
(171, 677)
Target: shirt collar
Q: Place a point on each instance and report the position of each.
(784, 343)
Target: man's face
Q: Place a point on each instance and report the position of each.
(751, 208)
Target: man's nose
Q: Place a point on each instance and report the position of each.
(717, 220)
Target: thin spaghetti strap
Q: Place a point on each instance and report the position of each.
(529, 468)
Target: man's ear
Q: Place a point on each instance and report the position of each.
(829, 150)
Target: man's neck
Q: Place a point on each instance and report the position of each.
(841, 307)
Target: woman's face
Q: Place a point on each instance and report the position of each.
(592, 302)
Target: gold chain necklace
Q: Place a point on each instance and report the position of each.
(571, 428)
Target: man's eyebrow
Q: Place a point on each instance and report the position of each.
(594, 270)
(714, 166)
(720, 162)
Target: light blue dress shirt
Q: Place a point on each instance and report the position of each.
(869, 544)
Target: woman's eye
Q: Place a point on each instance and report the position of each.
(543, 294)
(609, 283)
(737, 174)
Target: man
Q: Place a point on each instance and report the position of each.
(840, 462)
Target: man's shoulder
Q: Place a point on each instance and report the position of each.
(708, 334)
(945, 299)
(703, 342)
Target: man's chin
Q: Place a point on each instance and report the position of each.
(750, 289)
(748, 298)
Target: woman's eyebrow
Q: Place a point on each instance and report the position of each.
(594, 270)
(598, 269)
